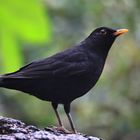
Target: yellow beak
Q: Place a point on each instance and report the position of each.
(120, 32)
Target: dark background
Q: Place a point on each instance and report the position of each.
(36, 29)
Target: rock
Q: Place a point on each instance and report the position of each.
(11, 129)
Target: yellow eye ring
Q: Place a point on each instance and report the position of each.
(103, 32)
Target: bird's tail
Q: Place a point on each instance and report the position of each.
(7, 82)
(10, 81)
(1, 81)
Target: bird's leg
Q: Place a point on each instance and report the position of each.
(67, 110)
(61, 127)
(54, 105)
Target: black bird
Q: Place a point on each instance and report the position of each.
(67, 75)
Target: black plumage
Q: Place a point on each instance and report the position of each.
(67, 75)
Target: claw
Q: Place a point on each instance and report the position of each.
(62, 129)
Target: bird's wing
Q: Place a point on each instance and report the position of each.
(63, 64)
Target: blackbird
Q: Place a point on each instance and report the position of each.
(67, 75)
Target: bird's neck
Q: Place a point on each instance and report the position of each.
(100, 49)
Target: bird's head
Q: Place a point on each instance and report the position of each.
(103, 37)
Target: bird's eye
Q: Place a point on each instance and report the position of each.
(103, 32)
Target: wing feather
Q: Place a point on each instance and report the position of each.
(63, 64)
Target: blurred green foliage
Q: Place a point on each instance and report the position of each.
(113, 111)
(21, 20)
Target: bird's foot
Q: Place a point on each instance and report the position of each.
(63, 129)
(60, 129)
